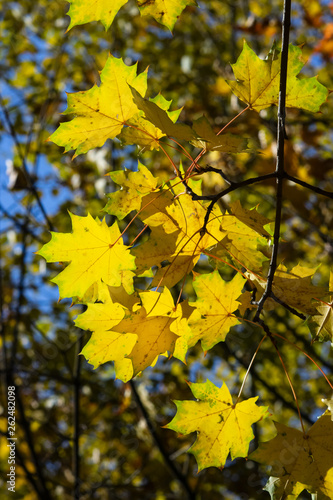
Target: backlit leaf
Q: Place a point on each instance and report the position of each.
(176, 235)
(299, 461)
(84, 11)
(134, 185)
(101, 112)
(165, 12)
(161, 119)
(206, 138)
(222, 426)
(216, 302)
(154, 337)
(95, 251)
(257, 81)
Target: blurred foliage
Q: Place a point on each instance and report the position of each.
(71, 421)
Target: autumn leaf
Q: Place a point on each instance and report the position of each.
(144, 133)
(154, 337)
(321, 324)
(134, 185)
(243, 244)
(222, 426)
(161, 118)
(299, 461)
(216, 302)
(85, 11)
(104, 344)
(257, 81)
(251, 218)
(101, 112)
(132, 338)
(166, 12)
(95, 252)
(176, 237)
(164, 303)
(206, 138)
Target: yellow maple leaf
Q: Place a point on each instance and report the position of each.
(84, 11)
(102, 111)
(293, 287)
(251, 218)
(216, 302)
(134, 185)
(95, 252)
(299, 461)
(165, 12)
(164, 303)
(176, 234)
(223, 427)
(257, 81)
(241, 243)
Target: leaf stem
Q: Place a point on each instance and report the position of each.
(305, 354)
(270, 335)
(233, 119)
(249, 368)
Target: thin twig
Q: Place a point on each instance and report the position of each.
(29, 180)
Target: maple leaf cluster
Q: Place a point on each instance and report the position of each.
(133, 327)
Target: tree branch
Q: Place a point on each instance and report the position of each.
(76, 437)
(280, 173)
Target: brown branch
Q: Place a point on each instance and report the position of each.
(280, 173)
(178, 475)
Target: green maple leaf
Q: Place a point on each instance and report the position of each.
(166, 12)
(222, 426)
(299, 461)
(95, 252)
(101, 112)
(257, 81)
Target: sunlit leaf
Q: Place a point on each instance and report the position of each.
(257, 81)
(206, 138)
(101, 112)
(95, 251)
(216, 302)
(222, 426)
(134, 185)
(299, 461)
